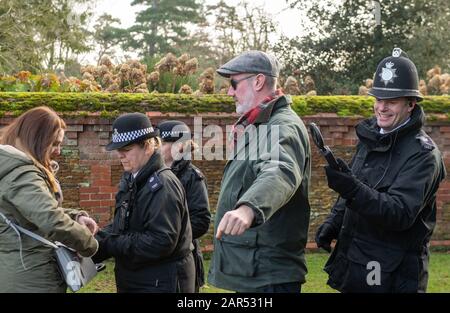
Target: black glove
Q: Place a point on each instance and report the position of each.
(102, 253)
(342, 181)
(324, 235)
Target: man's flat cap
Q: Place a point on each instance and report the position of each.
(256, 62)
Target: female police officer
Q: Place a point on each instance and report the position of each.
(150, 236)
(177, 146)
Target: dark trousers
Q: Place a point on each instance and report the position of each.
(294, 287)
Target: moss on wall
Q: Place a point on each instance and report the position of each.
(358, 105)
(110, 104)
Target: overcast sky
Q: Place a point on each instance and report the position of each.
(287, 19)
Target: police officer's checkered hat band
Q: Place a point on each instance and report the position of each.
(130, 128)
(169, 134)
(172, 130)
(130, 136)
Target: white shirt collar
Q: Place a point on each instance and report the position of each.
(382, 131)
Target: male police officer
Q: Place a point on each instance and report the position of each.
(386, 212)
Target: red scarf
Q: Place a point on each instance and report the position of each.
(250, 117)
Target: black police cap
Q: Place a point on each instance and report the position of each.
(130, 128)
(171, 131)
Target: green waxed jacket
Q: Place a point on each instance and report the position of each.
(26, 200)
(276, 188)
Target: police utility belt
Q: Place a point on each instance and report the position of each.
(76, 270)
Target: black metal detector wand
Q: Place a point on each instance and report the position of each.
(324, 150)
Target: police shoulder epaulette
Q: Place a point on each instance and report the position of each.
(425, 141)
(154, 182)
(198, 173)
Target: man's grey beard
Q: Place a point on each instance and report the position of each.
(241, 109)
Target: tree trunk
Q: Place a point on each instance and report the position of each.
(51, 60)
(154, 29)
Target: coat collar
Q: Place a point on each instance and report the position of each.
(180, 166)
(368, 131)
(155, 163)
(263, 117)
(270, 107)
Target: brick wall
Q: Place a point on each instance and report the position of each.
(89, 174)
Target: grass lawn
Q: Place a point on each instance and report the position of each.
(439, 280)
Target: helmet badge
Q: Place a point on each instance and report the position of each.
(397, 52)
(388, 73)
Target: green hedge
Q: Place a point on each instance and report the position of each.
(359, 105)
(110, 105)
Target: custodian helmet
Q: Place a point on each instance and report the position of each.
(396, 77)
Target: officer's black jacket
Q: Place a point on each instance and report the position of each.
(393, 214)
(194, 184)
(157, 231)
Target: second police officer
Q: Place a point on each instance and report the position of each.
(177, 148)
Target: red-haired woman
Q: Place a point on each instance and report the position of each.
(27, 198)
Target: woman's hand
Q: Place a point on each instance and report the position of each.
(89, 223)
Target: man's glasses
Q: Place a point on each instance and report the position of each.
(235, 82)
